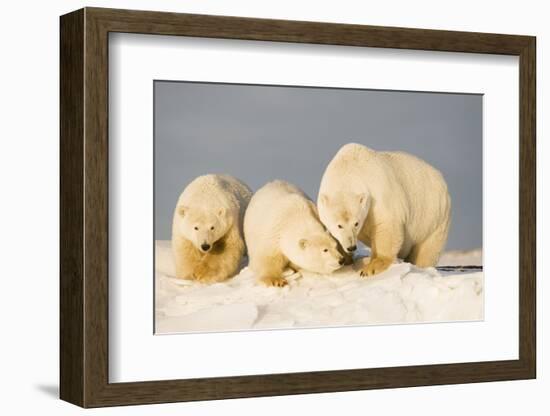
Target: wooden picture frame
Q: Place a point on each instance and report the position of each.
(84, 207)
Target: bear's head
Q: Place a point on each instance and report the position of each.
(317, 252)
(203, 227)
(344, 215)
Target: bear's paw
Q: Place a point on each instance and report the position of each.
(205, 273)
(275, 281)
(376, 266)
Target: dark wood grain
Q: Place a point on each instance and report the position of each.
(84, 207)
(162, 23)
(71, 101)
(527, 208)
(96, 219)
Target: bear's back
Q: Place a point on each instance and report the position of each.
(417, 176)
(400, 184)
(425, 190)
(215, 188)
(346, 167)
(387, 170)
(276, 205)
(277, 197)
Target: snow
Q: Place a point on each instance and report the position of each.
(402, 294)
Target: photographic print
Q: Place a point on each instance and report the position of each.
(281, 207)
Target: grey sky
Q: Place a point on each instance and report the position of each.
(261, 133)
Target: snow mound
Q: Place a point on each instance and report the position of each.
(402, 294)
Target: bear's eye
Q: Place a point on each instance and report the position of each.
(196, 228)
(357, 224)
(325, 250)
(212, 228)
(339, 226)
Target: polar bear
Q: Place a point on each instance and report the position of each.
(207, 235)
(282, 229)
(393, 202)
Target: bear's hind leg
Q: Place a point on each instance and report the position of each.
(426, 253)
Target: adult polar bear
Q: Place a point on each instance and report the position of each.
(282, 229)
(207, 228)
(393, 202)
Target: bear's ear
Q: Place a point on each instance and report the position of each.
(182, 210)
(323, 198)
(362, 198)
(302, 243)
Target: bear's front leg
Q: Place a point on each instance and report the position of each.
(208, 270)
(275, 281)
(376, 265)
(269, 269)
(386, 241)
(186, 258)
(221, 262)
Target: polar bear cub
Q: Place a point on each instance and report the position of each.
(207, 236)
(282, 229)
(393, 202)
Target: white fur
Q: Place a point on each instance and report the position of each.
(209, 210)
(392, 201)
(282, 229)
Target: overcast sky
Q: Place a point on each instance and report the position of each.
(261, 133)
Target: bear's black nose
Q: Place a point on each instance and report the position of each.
(341, 261)
(205, 247)
(351, 248)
